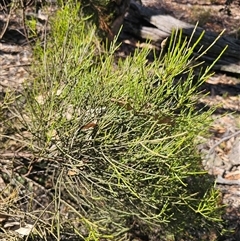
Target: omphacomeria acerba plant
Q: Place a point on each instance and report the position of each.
(120, 137)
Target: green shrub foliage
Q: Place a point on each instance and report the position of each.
(120, 134)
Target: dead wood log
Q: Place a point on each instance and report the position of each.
(156, 25)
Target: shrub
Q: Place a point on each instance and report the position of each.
(117, 139)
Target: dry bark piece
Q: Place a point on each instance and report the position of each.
(218, 129)
(232, 175)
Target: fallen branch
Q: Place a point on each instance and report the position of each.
(155, 25)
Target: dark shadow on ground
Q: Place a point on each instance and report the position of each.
(13, 34)
(221, 89)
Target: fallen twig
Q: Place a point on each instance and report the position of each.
(221, 180)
